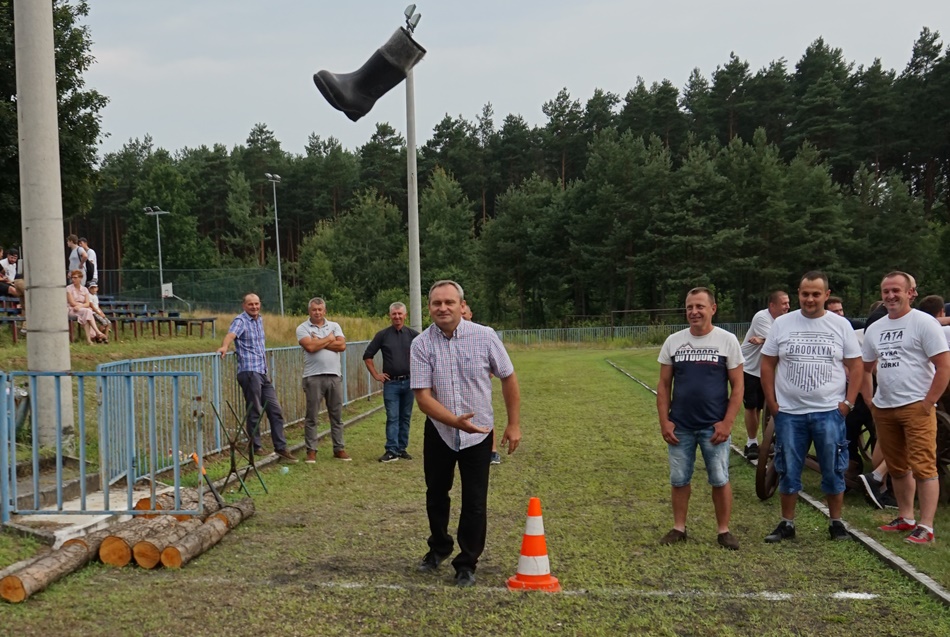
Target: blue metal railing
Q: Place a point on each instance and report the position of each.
(219, 375)
(119, 451)
(578, 335)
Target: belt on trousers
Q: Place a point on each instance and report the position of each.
(405, 377)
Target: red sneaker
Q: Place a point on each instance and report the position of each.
(897, 524)
(920, 535)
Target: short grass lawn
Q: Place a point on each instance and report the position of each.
(333, 547)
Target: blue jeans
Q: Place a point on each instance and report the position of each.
(683, 457)
(795, 433)
(397, 397)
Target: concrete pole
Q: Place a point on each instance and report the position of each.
(280, 276)
(41, 204)
(415, 279)
(161, 275)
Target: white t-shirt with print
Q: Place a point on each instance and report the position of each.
(903, 348)
(810, 375)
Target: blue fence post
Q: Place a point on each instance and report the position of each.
(5, 437)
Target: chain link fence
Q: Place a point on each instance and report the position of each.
(219, 290)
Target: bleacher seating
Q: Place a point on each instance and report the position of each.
(132, 314)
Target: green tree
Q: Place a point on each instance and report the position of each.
(447, 242)
(78, 113)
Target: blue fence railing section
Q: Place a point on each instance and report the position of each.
(604, 334)
(165, 404)
(223, 407)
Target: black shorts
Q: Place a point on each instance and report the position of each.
(8, 289)
(753, 397)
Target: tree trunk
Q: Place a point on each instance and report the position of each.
(188, 501)
(116, 549)
(43, 572)
(194, 544)
(234, 514)
(148, 551)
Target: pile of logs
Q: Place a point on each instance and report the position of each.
(148, 540)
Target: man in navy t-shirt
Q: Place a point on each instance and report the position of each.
(698, 367)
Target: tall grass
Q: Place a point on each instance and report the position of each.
(281, 331)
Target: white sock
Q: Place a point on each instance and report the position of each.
(751, 441)
(926, 528)
(877, 476)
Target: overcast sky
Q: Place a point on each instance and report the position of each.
(202, 72)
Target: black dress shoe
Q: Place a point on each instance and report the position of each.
(430, 563)
(465, 578)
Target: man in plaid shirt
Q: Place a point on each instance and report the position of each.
(247, 334)
(451, 366)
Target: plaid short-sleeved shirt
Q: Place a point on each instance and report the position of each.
(249, 343)
(457, 370)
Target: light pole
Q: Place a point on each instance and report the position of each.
(415, 277)
(274, 179)
(155, 211)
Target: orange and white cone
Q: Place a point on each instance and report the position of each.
(534, 569)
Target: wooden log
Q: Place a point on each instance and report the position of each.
(40, 574)
(195, 543)
(236, 512)
(188, 499)
(148, 552)
(92, 541)
(116, 549)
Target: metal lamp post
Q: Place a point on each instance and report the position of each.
(415, 277)
(155, 211)
(274, 179)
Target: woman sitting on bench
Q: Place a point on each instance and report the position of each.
(79, 308)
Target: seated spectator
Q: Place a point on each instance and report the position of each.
(79, 308)
(100, 316)
(8, 268)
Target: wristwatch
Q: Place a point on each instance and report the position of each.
(848, 403)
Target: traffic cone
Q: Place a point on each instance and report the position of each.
(534, 569)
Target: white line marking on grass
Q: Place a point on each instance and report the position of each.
(771, 596)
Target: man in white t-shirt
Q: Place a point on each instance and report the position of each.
(806, 362)
(92, 262)
(322, 342)
(698, 366)
(77, 258)
(910, 353)
(753, 398)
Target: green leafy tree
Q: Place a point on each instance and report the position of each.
(447, 242)
(78, 113)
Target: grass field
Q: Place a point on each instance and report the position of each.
(333, 547)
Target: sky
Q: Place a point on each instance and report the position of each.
(192, 73)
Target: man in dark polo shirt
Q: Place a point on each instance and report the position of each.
(395, 342)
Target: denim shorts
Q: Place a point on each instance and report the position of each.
(794, 435)
(683, 457)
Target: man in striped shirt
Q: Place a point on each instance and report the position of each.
(451, 363)
(247, 334)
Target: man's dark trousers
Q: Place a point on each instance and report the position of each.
(258, 391)
(439, 464)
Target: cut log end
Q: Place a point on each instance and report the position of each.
(171, 558)
(12, 589)
(115, 552)
(146, 555)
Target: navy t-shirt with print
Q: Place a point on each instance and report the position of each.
(701, 367)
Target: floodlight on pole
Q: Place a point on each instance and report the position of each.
(155, 211)
(274, 179)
